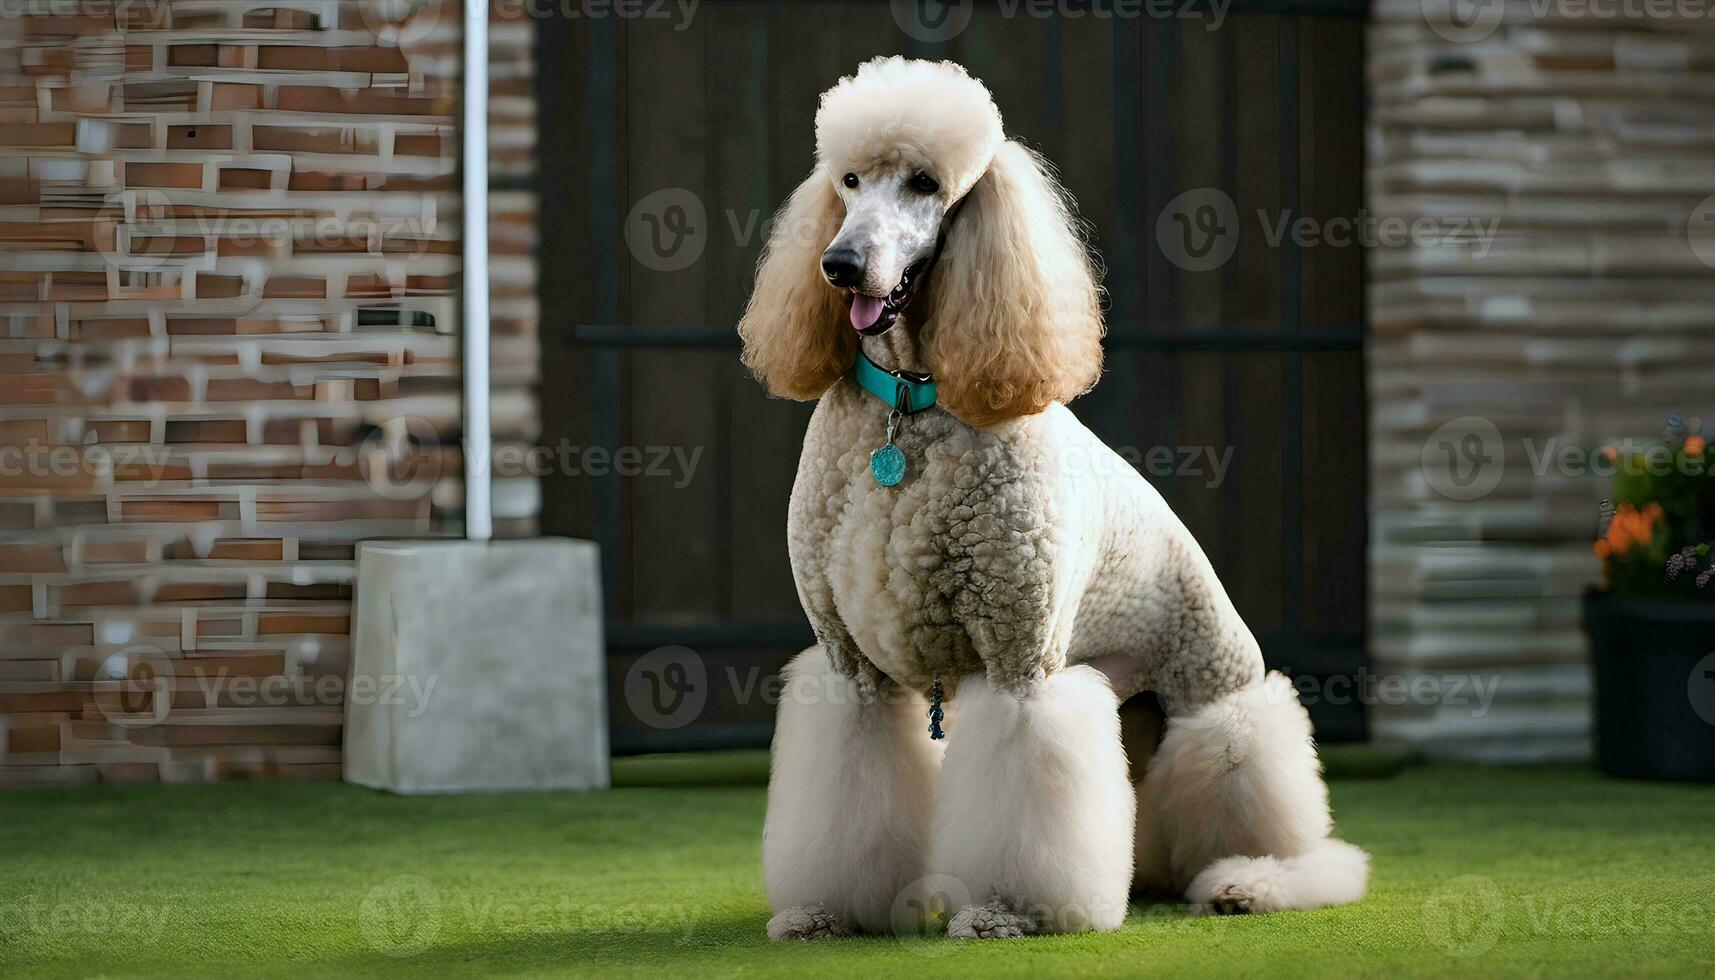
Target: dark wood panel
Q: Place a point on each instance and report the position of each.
(1253, 282)
(1016, 57)
(580, 173)
(1201, 158)
(672, 396)
(1266, 111)
(756, 472)
(1332, 169)
(713, 698)
(1089, 136)
(1333, 526)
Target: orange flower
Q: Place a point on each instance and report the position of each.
(1694, 445)
(1619, 538)
(1620, 529)
(1629, 526)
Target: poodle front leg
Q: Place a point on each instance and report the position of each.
(1034, 816)
(849, 797)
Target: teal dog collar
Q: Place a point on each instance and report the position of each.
(908, 393)
(905, 391)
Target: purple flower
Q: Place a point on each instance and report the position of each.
(1675, 564)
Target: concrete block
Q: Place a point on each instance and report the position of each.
(477, 667)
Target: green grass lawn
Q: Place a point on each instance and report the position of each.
(1484, 872)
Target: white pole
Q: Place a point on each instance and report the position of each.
(478, 492)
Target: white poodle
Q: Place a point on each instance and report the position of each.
(963, 546)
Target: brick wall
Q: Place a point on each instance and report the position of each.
(1589, 143)
(228, 351)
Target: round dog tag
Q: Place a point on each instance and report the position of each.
(888, 465)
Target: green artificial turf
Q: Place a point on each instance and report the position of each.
(1477, 872)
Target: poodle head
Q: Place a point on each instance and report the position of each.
(919, 206)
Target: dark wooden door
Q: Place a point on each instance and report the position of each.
(1194, 149)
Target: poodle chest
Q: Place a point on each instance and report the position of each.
(947, 573)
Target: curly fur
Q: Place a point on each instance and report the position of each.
(1017, 548)
(860, 766)
(1041, 779)
(1014, 322)
(913, 113)
(795, 337)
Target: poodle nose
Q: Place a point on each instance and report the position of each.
(842, 266)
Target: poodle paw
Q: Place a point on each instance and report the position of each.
(1228, 900)
(992, 921)
(806, 922)
(1237, 886)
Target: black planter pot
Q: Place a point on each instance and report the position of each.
(1655, 686)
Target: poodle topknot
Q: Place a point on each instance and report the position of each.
(910, 113)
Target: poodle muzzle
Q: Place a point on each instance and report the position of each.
(873, 316)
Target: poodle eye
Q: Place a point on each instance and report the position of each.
(924, 184)
(851, 180)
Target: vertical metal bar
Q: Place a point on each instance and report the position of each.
(478, 489)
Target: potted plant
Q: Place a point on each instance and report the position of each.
(1652, 625)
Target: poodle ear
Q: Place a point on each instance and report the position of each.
(1015, 319)
(794, 333)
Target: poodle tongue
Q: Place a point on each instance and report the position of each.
(865, 311)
